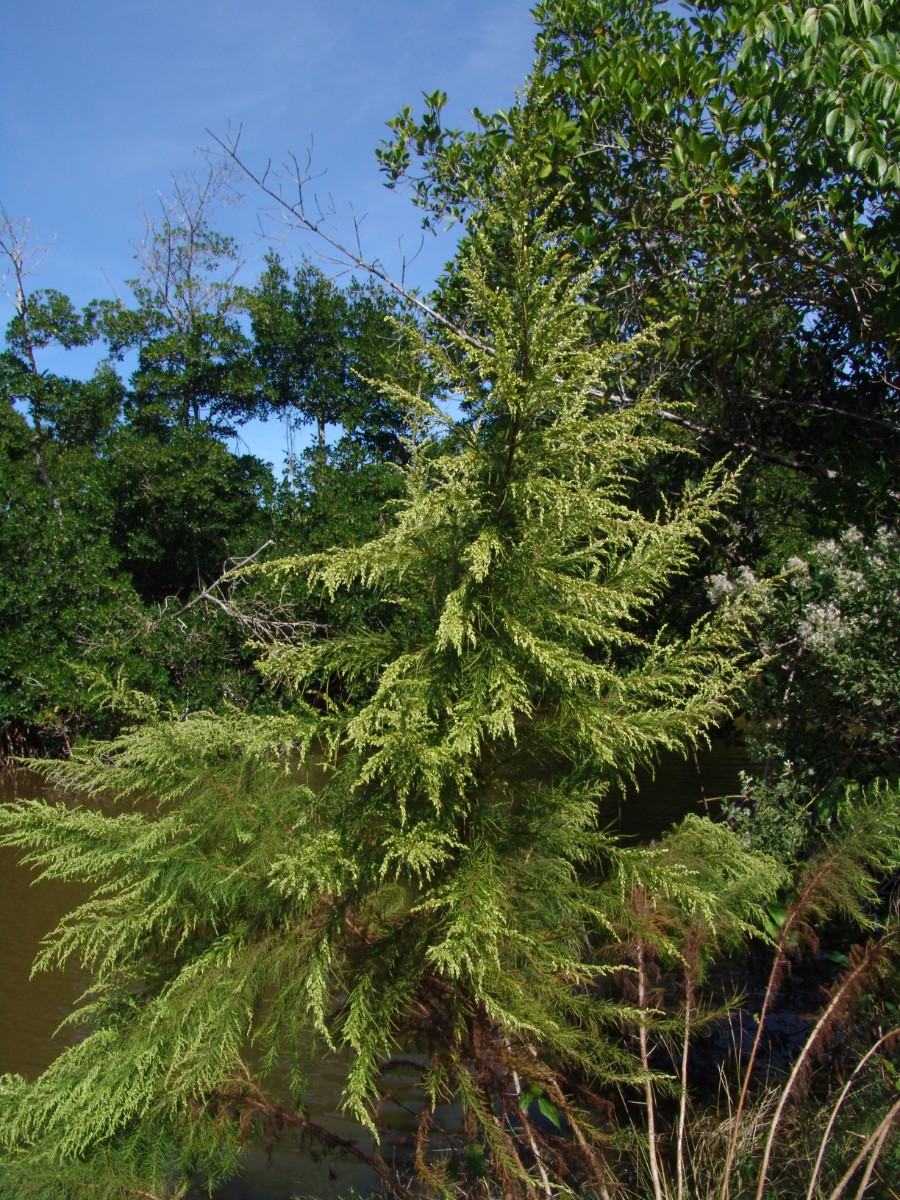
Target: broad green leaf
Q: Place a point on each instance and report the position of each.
(550, 1111)
(809, 26)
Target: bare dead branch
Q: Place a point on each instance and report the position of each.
(188, 267)
(22, 259)
(297, 215)
(271, 626)
(23, 255)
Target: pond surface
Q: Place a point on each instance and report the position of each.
(31, 1009)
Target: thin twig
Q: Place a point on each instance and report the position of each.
(648, 1081)
(586, 1148)
(548, 1191)
(683, 1086)
(296, 212)
(263, 628)
(840, 1100)
(205, 593)
(837, 999)
(774, 976)
(875, 1139)
(259, 1102)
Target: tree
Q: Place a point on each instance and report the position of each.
(105, 518)
(60, 580)
(443, 883)
(733, 175)
(831, 637)
(184, 505)
(322, 350)
(194, 361)
(124, 522)
(39, 319)
(58, 585)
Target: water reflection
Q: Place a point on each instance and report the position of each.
(679, 785)
(32, 1008)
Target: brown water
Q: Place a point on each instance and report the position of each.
(31, 1009)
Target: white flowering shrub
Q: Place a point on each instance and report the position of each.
(720, 588)
(826, 709)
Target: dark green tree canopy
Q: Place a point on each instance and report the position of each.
(323, 348)
(732, 173)
(194, 359)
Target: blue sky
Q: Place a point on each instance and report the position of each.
(102, 102)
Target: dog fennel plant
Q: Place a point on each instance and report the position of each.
(445, 887)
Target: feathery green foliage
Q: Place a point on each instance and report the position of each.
(412, 855)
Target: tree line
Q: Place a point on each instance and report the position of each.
(123, 498)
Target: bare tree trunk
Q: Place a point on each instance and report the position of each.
(14, 237)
